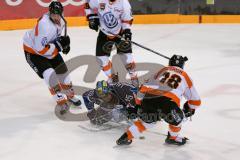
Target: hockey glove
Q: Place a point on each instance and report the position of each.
(62, 42)
(187, 110)
(66, 50)
(125, 43)
(127, 34)
(93, 22)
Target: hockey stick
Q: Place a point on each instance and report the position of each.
(141, 46)
(104, 127)
(65, 25)
(148, 49)
(65, 30)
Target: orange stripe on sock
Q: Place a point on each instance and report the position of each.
(52, 91)
(66, 86)
(129, 134)
(174, 128)
(107, 67)
(140, 126)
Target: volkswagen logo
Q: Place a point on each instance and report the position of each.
(109, 20)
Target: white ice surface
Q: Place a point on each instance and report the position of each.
(29, 129)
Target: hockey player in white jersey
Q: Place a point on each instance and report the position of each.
(157, 104)
(42, 45)
(114, 19)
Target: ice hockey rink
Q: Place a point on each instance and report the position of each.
(30, 130)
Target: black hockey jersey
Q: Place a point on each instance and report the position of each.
(124, 92)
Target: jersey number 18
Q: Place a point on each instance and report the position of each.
(172, 80)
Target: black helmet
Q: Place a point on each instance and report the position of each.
(55, 7)
(177, 60)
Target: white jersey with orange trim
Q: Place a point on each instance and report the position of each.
(113, 16)
(40, 39)
(178, 82)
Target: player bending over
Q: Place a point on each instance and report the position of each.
(157, 104)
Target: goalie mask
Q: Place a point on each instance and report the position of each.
(177, 60)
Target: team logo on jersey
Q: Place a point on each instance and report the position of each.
(102, 6)
(44, 41)
(110, 20)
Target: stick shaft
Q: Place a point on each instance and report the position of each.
(141, 46)
(65, 27)
(148, 49)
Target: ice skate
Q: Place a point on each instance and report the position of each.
(175, 140)
(123, 140)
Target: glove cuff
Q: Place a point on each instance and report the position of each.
(58, 46)
(92, 16)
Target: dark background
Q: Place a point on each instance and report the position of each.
(186, 7)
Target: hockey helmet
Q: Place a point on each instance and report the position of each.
(177, 60)
(56, 7)
(102, 88)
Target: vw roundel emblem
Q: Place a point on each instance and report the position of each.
(109, 20)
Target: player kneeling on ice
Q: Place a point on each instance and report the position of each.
(115, 102)
(42, 45)
(159, 98)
